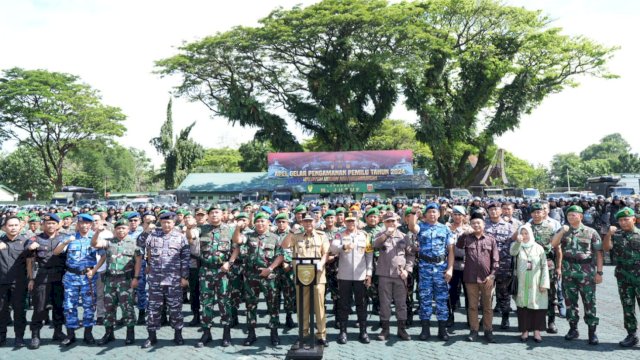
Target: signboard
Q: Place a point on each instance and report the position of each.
(342, 166)
(339, 188)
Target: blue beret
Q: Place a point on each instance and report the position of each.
(266, 209)
(316, 209)
(53, 217)
(149, 213)
(168, 216)
(432, 205)
(134, 214)
(85, 217)
(282, 206)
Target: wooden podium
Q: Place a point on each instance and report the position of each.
(306, 276)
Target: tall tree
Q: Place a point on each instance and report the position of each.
(23, 171)
(219, 160)
(53, 113)
(475, 66)
(179, 155)
(254, 155)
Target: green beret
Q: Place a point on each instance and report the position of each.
(300, 208)
(21, 214)
(187, 213)
(101, 209)
(329, 213)
(574, 208)
(127, 213)
(65, 214)
(341, 210)
(34, 219)
(261, 215)
(181, 211)
(408, 210)
(282, 216)
(242, 215)
(214, 207)
(121, 222)
(536, 206)
(625, 212)
(373, 211)
(164, 211)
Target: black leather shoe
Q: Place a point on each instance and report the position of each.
(35, 340)
(58, 335)
(322, 342)
(205, 338)
(151, 340)
(70, 339)
(473, 336)
(131, 336)
(88, 336)
(551, 328)
(18, 342)
(488, 335)
(108, 337)
(251, 336)
(426, 330)
(342, 337)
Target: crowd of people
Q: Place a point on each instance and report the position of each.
(416, 258)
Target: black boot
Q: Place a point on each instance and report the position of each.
(505, 321)
(205, 338)
(226, 336)
(108, 336)
(573, 331)
(551, 328)
(131, 336)
(88, 336)
(630, 341)
(384, 334)
(593, 338)
(275, 340)
(251, 336)
(442, 331)
(151, 340)
(18, 342)
(289, 322)
(196, 319)
(473, 336)
(426, 330)
(141, 317)
(402, 331)
(71, 337)
(342, 337)
(177, 337)
(364, 337)
(35, 339)
(488, 335)
(58, 335)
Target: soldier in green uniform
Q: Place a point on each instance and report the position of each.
(625, 246)
(579, 277)
(67, 227)
(236, 278)
(286, 279)
(216, 254)
(264, 255)
(543, 230)
(373, 227)
(121, 251)
(330, 229)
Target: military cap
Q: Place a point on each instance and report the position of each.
(341, 210)
(214, 207)
(389, 216)
(121, 222)
(261, 215)
(51, 217)
(477, 198)
(266, 209)
(307, 217)
(329, 213)
(536, 206)
(282, 206)
(169, 215)
(163, 211)
(372, 211)
(242, 215)
(316, 209)
(574, 208)
(459, 210)
(34, 219)
(151, 213)
(300, 208)
(282, 216)
(85, 217)
(431, 205)
(494, 204)
(477, 215)
(200, 210)
(625, 212)
(132, 215)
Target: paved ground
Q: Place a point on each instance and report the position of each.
(610, 332)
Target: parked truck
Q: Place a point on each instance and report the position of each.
(609, 186)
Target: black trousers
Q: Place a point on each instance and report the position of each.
(455, 285)
(194, 290)
(347, 288)
(44, 294)
(14, 295)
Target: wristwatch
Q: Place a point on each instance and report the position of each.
(599, 273)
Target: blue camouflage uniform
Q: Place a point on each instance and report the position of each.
(80, 257)
(433, 241)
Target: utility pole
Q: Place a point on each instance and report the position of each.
(568, 183)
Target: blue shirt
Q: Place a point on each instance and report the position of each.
(80, 254)
(434, 239)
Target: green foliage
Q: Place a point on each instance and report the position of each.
(616, 151)
(570, 170)
(53, 113)
(254, 155)
(522, 174)
(219, 160)
(23, 171)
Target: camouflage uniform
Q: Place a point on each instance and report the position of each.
(168, 263)
(237, 280)
(543, 233)
(215, 250)
(372, 291)
(117, 279)
(578, 272)
(332, 273)
(286, 279)
(626, 249)
(502, 232)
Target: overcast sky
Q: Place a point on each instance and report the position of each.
(112, 46)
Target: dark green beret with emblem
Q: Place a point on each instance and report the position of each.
(575, 208)
(625, 212)
(261, 215)
(121, 222)
(329, 213)
(282, 216)
(373, 211)
(536, 206)
(300, 208)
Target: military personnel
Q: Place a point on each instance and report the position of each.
(579, 276)
(80, 279)
(311, 243)
(238, 269)
(373, 227)
(215, 256)
(331, 230)
(47, 287)
(14, 272)
(194, 265)
(504, 234)
(458, 227)
(140, 233)
(435, 260)
(340, 217)
(34, 227)
(543, 230)
(167, 251)
(285, 278)
(118, 278)
(394, 265)
(67, 227)
(264, 255)
(624, 243)
(354, 275)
